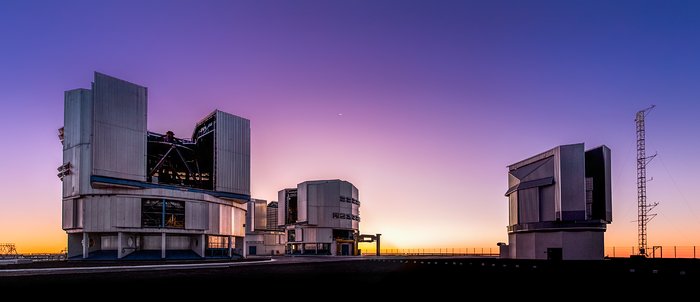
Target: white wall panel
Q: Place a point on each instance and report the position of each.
(232, 153)
(126, 212)
(302, 201)
(238, 221)
(77, 131)
(196, 215)
(119, 125)
(214, 215)
(225, 220)
(67, 214)
(528, 205)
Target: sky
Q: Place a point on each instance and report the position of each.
(420, 104)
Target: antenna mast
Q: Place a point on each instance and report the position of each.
(643, 208)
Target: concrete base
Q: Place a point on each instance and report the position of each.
(572, 245)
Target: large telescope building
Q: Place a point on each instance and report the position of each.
(320, 217)
(560, 202)
(131, 193)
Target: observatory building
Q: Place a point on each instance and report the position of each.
(560, 202)
(131, 193)
(262, 237)
(320, 217)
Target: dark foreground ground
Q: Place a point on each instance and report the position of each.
(402, 276)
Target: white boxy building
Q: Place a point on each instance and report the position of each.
(130, 193)
(320, 217)
(560, 202)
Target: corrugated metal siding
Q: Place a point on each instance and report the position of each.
(238, 220)
(513, 208)
(302, 201)
(97, 214)
(119, 140)
(260, 221)
(547, 203)
(196, 215)
(126, 212)
(77, 130)
(528, 205)
(214, 218)
(572, 179)
(232, 154)
(67, 214)
(225, 220)
(281, 207)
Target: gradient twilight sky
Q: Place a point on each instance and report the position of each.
(420, 104)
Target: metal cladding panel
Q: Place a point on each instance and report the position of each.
(281, 207)
(545, 169)
(302, 201)
(214, 218)
(260, 218)
(310, 235)
(598, 162)
(583, 245)
(68, 214)
(225, 220)
(547, 203)
(528, 205)
(249, 214)
(513, 208)
(238, 223)
(572, 178)
(232, 154)
(119, 125)
(196, 215)
(97, 216)
(324, 235)
(77, 130)
(173, 242)
(126, 212)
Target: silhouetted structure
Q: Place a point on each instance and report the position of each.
(559, 204)
(643, 208)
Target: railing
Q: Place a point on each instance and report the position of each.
(36, 256)
(692, 252)
(668, 251)
(476, 252)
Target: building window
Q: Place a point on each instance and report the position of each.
(349, 200)
(162, 213)
(346, 216)
(291, 236)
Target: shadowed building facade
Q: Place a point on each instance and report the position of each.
(261, 237)
(560, 202)
(132, 193)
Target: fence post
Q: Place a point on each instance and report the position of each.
(613, 252)
(674, 252)
(693, 252)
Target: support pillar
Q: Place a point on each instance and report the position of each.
(120, 247)
(379, 244)
(86, 245)
(202, 245)
(244, 252)
(162, 245)
(230, 246)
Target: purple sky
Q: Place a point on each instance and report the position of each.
(436, 97)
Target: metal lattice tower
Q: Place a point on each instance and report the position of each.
(7, 249)
(643, 208)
